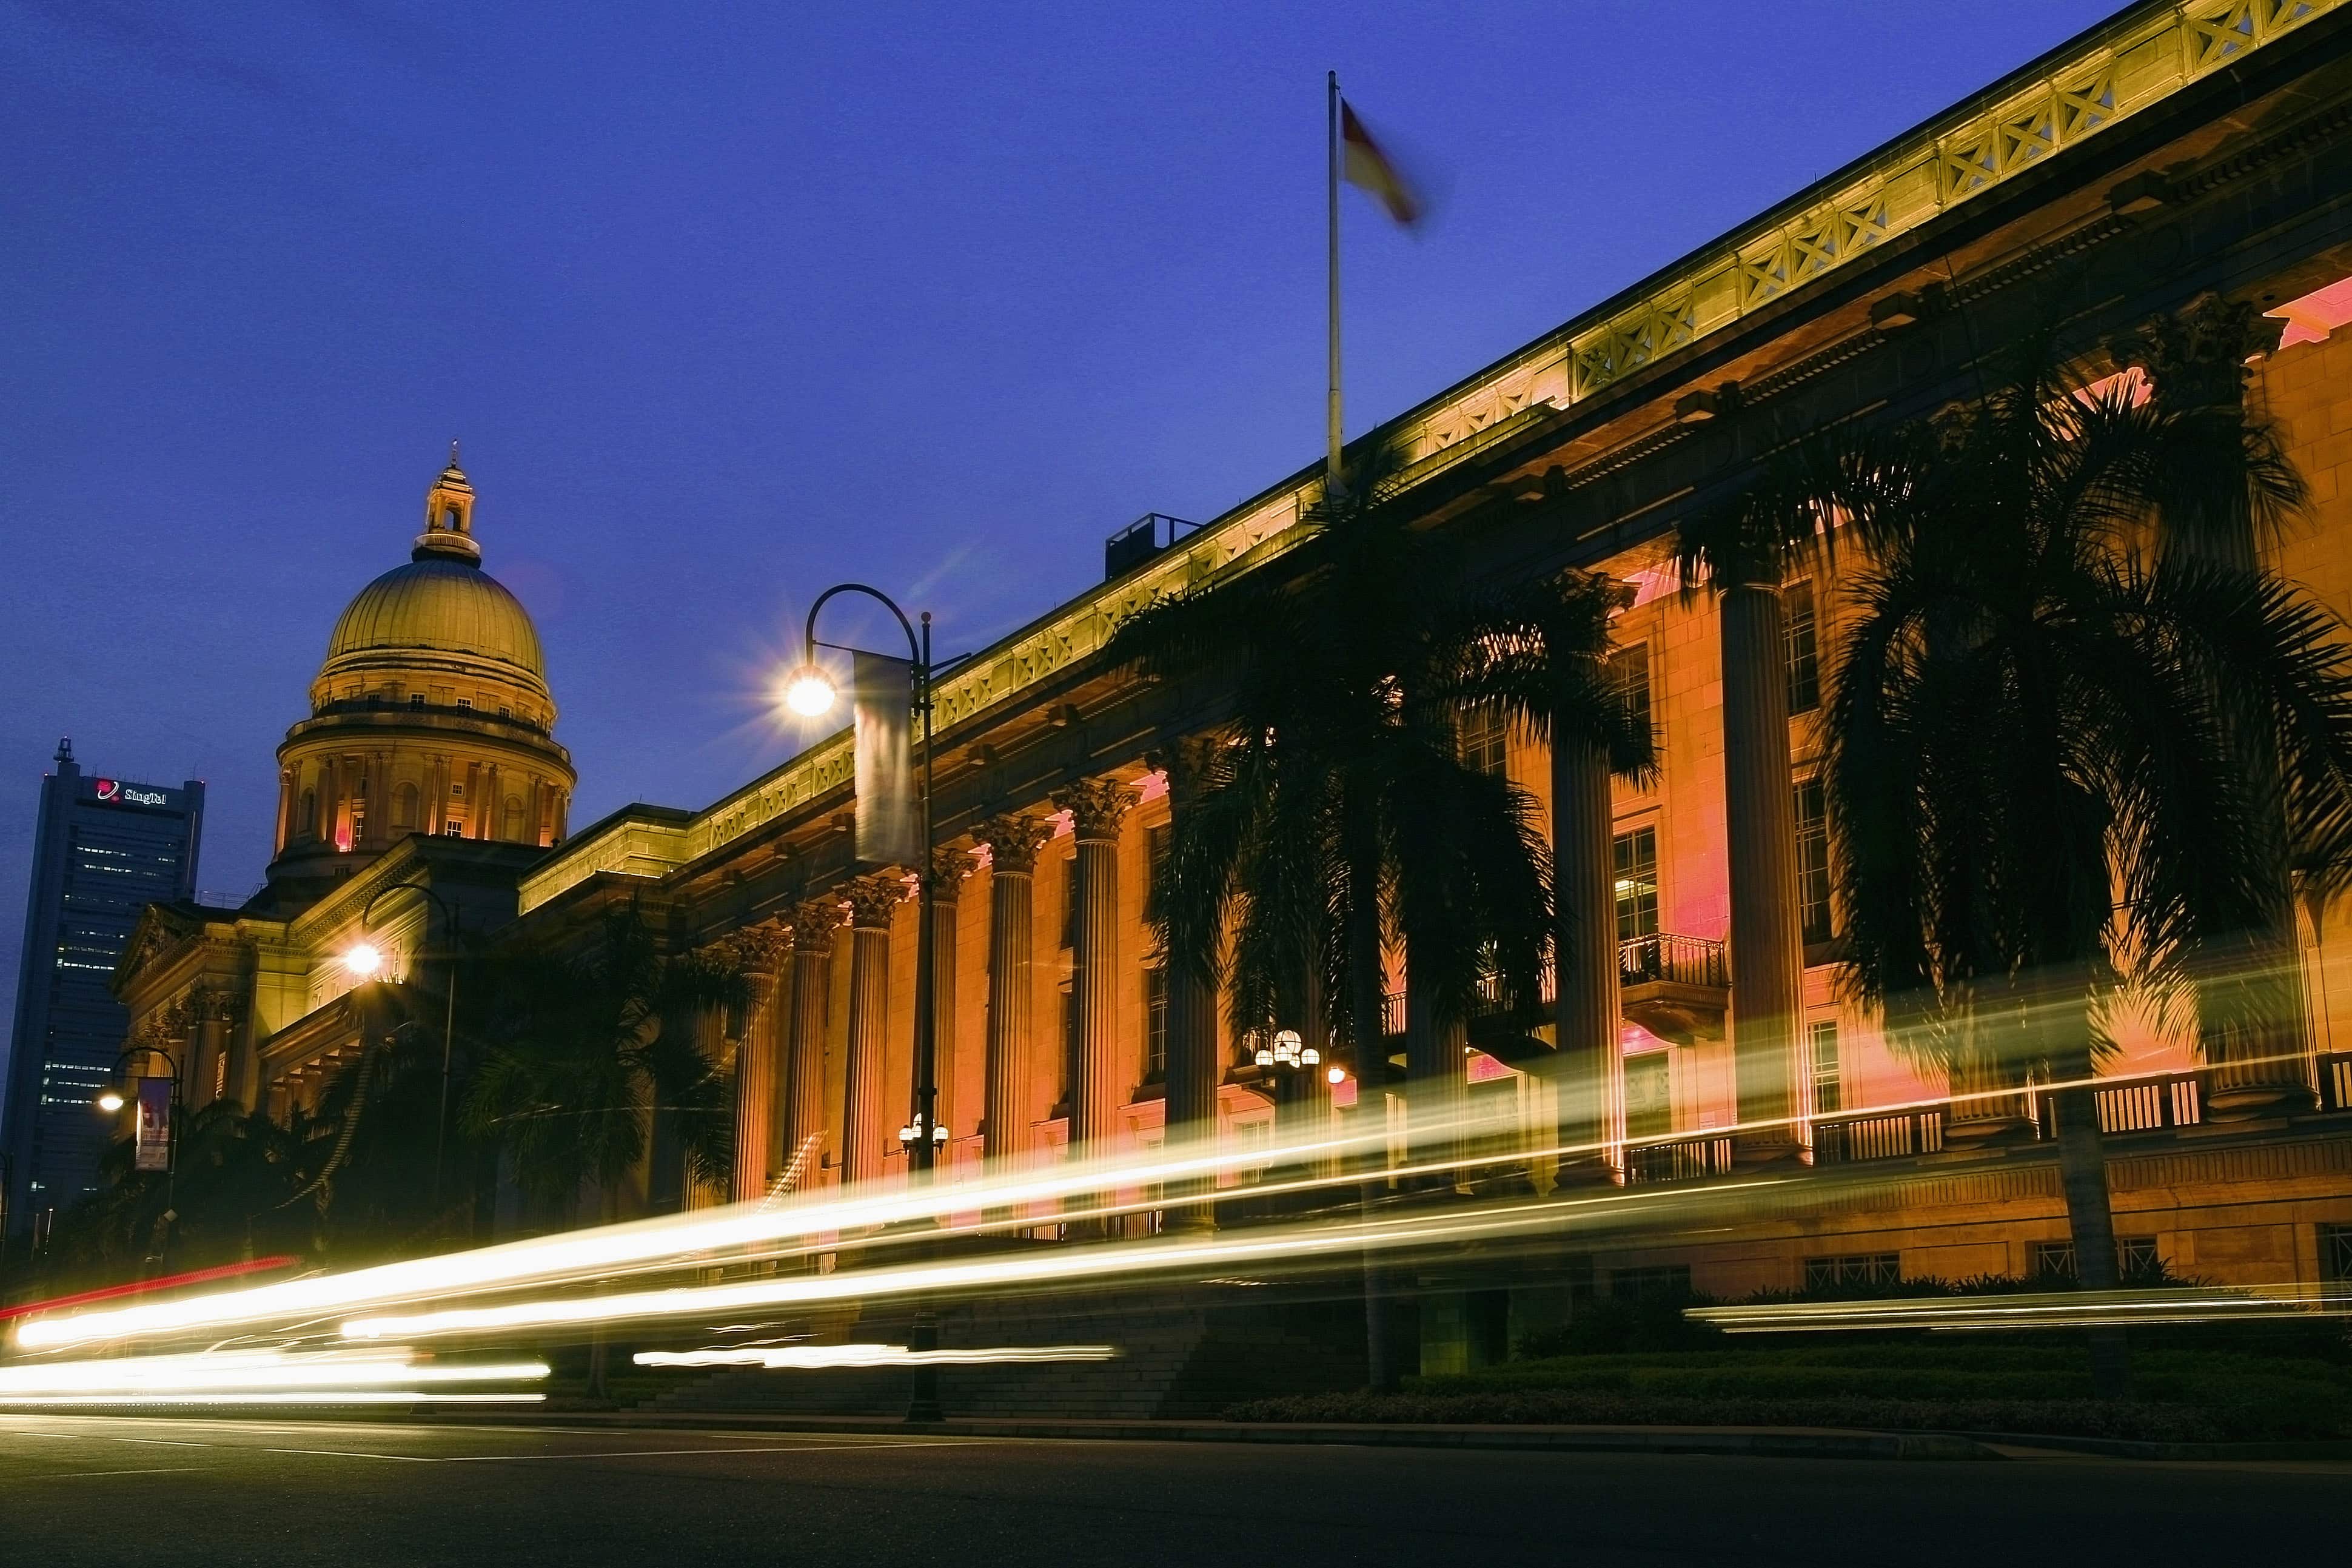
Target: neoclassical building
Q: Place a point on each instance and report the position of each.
(2180, 153)
(429, 759)
(2184, 151)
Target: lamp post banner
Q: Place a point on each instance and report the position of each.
(883, 701)
(151, 1142)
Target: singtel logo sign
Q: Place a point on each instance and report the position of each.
(130, 793)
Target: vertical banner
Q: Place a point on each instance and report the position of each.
(883, 700)
(152, 1140)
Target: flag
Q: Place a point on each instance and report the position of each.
(1365, 166)
(882, 701)
(152, 1133)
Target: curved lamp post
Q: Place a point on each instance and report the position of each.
(811, 693)
(365, 960)
(111, 1100)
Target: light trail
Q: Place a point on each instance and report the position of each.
(319, 1397)
(148, 1286)
(248, 1372)
(873, 1217)
(779, 1357)
(1108, 1261)
(2047, 1309)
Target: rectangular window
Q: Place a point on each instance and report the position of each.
(1155, 1023)
(1814, 860)
(1484, 738)
(1804, 647)
(465, 703)
(1629, 669)
(1669, 1280)
(1159, 841)
(1829, 1087)
(416, 700)
(2136, 1257)
(2336, 1253)
(1637, 883)
(1070, 900)
(1856, 1269)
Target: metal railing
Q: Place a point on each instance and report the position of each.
(1679, 960)
(2135, 1105)
(1692, 1158)
(1141, 540)
(1890, 1135)
(2336, 1081)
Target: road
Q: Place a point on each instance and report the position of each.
(79, 1492)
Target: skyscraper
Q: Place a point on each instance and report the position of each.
(107, 848)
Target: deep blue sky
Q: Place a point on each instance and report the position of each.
(730, 301)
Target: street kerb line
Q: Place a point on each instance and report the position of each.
(156, 1470)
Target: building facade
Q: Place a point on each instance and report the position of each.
(428, 760)
(106, 848)
(2179, 155)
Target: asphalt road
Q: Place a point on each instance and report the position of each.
(100, 1490)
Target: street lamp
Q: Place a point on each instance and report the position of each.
(810, 691)
(111, 1100)
(365, 960)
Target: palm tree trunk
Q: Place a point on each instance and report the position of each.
(610, 1207)
(1366, 985)
(2090, 1218)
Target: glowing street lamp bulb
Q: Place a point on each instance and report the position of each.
(110, 1101)
(810, 691)
(1337, 1074)
(363, 959)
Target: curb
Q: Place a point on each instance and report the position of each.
(2141, 1448)
(1755, 1442)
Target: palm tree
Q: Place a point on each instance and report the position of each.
(1336, 817)
(579, 1055)
(2036, 755)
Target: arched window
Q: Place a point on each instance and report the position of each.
(306, 825)
(450, 517)
(404, 806)
(513, 815)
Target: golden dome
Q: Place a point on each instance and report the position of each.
(437, 604)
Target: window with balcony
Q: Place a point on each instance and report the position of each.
(1829, 1083)
(1804, 647)
(1636, 855)
(1155, 1023)
(1813, 913)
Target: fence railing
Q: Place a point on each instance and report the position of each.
(1687, 1159)
(1681, 960)
(2336, 1081)
(2136, 1105)
(1844, 1140)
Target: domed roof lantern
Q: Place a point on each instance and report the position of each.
(448, 519)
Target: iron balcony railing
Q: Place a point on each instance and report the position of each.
(1888, 1135)
(2133, 1105)
(1693, 1158)
(1678, 960)
(2336, 1081)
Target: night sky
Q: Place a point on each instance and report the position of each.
(729, 302)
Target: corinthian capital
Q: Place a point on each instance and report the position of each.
(1188, 765)
(813, 923)
(949, 868)
(752, 950)
(1012, 840)
(1095, 806)
(873, 900)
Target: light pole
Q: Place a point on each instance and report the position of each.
(365, 960)
(112, 1099)
(811, 691)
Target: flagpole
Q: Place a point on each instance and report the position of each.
(1332, 483)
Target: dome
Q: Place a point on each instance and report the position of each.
(438, 605)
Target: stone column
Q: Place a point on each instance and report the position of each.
(1193, 1070)
(1589, 1071)
(757, 1060)
(212, 1010)
(2252, 1008)
(873, 900)
(813, 924)
(1102, 1073)
(1760, 823)
(1012, 843)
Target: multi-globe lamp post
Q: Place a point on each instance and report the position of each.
(811, 693)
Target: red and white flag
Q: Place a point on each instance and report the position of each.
(1363, 164)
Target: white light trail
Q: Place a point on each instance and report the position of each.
(778, 1357)
(247, 1372)
(2042, 1309)
(325, 1397)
